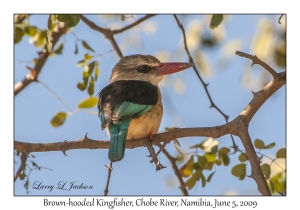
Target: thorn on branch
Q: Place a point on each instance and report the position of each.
(250, 176)
(259, 158)
(85, 138)
(64, 152)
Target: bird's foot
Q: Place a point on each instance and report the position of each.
(159, 166)
(150, 134)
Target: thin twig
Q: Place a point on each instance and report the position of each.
(109, 34)
(56, 96)
(132, 24)
(22, 166)
(279, 20)
(273, 161)
(109, 169)
(177, 173)
(151, 150)
(212, 104)
(161, 147)
(256, 60)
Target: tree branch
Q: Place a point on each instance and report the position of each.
(109, 34)
(256, 172)
(132, 24)
(177, 173)
(22, 166)
(256, 60)
(43, 56)
(106, 32)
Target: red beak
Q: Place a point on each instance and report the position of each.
(170, 68)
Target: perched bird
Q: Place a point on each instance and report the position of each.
(130, 106)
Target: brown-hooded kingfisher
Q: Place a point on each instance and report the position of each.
(130, 106)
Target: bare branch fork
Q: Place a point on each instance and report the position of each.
(109, 34)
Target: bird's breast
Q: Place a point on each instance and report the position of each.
(147, 123)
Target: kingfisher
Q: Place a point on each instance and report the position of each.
(130, 107)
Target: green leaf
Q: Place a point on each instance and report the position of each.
(91, 86)
(86, 46)
(59, 48)
(97, 71)
(63, 18)
(271, 186)
(239, 171)
(30, 30)
(226, 160)
(49, 23)
(266, 169)
(87, 57)
(203, 180)
(210, 176)
(209, 166)
(76, 48)
(81, 63)
(59, 119)
(88, 103)
(224, 150)
(281, 153)
(22, 176)
(202, 160)
(18, 34)
(215, 21)
(211, 157)
(187, 169)
(243, 157)
(70, 20)
(81, 86)
(259, 144)
(190, 183)
(220, 160)
(91, 67)
(196, 166)
(269, 146)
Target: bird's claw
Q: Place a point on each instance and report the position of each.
(159, 166)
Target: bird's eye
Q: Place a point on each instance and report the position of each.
(143, 69)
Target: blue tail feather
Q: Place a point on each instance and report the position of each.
(118, 134)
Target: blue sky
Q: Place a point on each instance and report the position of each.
(134, 175)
